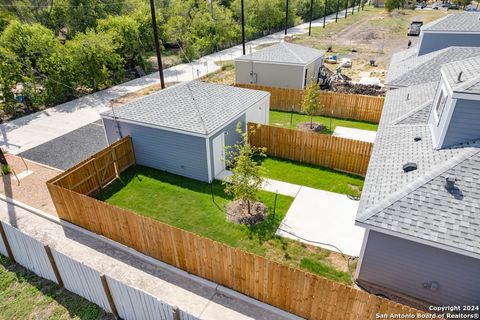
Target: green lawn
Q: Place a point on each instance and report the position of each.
(24, 295)
(312, 176)
(188, 204)
(291, 120)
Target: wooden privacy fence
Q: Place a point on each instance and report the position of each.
(296, 291)
(335, 104)
(324, 150)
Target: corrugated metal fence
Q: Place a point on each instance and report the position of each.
(110, 294)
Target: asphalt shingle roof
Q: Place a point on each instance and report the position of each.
(284, 52)
(408, 70)
(470, 75)
(196, 106)
(416, 203)
(458, 22)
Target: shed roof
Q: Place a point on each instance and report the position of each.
(284, 52)
(194, 107)
(457, 22)
(407, 69)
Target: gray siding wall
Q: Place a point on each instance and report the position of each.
(438, 127)
(464, 124)
(272, 75)
(173, 152)
(313, 68)
(430, 42)
(403, 266)
(230, 139)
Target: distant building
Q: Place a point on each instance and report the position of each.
(184, 129)
(459, 29)
(378, 3)
(283, 65)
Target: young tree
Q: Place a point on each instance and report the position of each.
(311, 101)
(391, 5)
(246, 179)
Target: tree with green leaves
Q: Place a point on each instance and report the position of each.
(311, 104)
(246, 178)
(391, 5)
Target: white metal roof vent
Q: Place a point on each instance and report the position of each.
(450, 182)
(409, 166)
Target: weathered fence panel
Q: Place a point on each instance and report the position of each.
(133, 303)
(324, 150)
(335, 104)
(81, 279)
(30, 253)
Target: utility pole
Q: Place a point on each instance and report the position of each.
(338, 8)
(243, 27)
(157, 45)
(311, 18)
(286, 17)
(353, 7)
(359, 3)
(346, 8)
(325, 13)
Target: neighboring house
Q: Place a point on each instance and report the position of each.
(420, 203)
(406, 69)
(459, 29)
(283, 65)
(184, 129)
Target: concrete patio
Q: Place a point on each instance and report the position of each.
(355, 134)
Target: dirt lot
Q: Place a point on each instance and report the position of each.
(373, 33)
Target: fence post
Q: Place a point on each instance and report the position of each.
(54, 266)
(108, 293)
(176, 313)
(6, 244)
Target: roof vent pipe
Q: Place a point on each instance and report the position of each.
(450, 182)
(459, 79)
(409, 166)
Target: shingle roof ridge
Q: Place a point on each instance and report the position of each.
(431, 24)
(290, 49)
(417, 183)
(411, 112)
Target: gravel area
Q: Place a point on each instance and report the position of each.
(32, 189)
(65, 151)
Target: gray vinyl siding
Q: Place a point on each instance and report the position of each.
(230, 139)
(430, 42)
(464, 124)
(312, 69)
(403, 266)
(272, 75)
(173, 152)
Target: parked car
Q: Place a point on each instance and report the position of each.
(346, 63)
(453, 7)
(435, 6)
(470, 8)
(414, 29)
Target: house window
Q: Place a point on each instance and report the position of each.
(305, 80)
(440, 106)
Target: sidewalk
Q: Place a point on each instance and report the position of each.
(27, 132)
(199, 297)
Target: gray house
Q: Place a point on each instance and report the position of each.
(184, 129)
(459, 29)
(283, 65)
(420, 204)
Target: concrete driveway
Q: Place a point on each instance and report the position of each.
(355, 134)
(326, 218)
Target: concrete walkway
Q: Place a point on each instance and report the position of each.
(317, 217)
(27, 132)
(355, 134)
(324, 219)
(199, 297)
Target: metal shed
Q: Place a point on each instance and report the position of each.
(184, 129)
(283, 65)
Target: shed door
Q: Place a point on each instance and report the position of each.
(218, 154)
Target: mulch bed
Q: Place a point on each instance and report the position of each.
(316, 127)
(237, 212)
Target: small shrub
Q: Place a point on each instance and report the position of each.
(6, 170)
